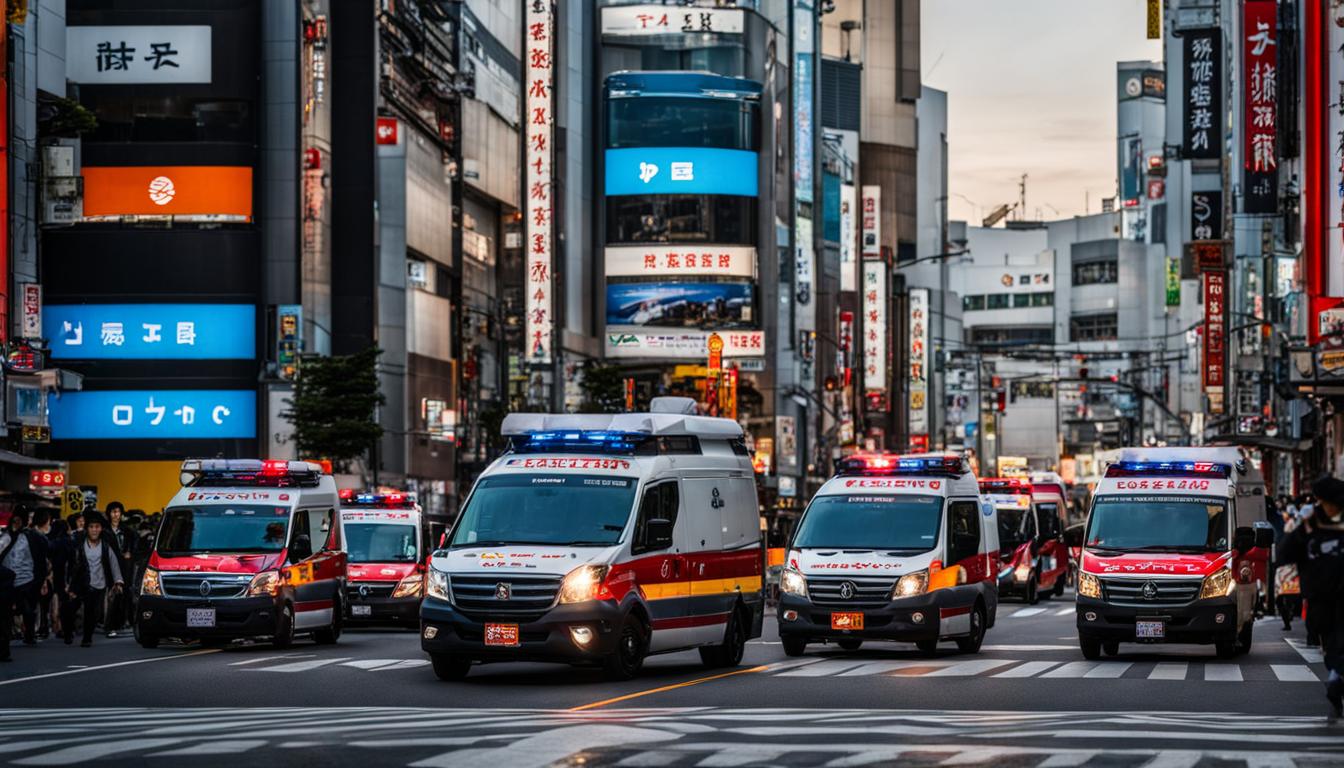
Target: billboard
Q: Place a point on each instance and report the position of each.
(1215, 352)
(677, 344)
(161, 414)
(680, 305)
(1206, 215)
(209, 193)
(539, 122)
(1142, 84)
(126, 55)
(1131, 168)
(151, 331)
(1203, 118)
(874, 304)
(674, 261)
(871, 222)
(919, 361)
(849, 275)
(1260, 56)
(680, 170)
(650, 19)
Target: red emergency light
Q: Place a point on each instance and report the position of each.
(1004, 485)
(896, 464)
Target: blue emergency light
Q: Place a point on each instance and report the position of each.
(888, 464)
(242, 473)
(578, 440)
(1169, 469)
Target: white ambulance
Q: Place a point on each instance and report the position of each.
(893, 548)
(1173, 542)
(601, 539)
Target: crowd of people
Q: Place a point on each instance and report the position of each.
(61, 575)
(1313, 545)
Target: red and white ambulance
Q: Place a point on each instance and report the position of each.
(1169, 551)
(247, 548)
(892, 548)
(1034, 558)
(384, 541)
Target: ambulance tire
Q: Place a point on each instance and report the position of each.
(850, 645)
(1090, 646)
(1225, 645)
(971, 643)
(729, 653)
(1059, 585)
(1031, 595)
(632, 644)
(1110, 647)
(793, 646)
(330, 634)
(146, 640)
(927, 647)
(284, 628)
(449, 668)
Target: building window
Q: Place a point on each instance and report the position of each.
(1095, 272)
(1036, 390)
(1099, 327)
(720, 219)
(682, 122)
(992, 335)
(1021, 300)
(973, 303)
(997, 301)
(1046, 299)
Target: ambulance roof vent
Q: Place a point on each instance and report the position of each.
(659, 424)
(682, 405)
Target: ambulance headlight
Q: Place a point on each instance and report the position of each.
(437, 585)
(410, 586)
(1218, 584)
(149, 584)
(1088, 586)
(911, 585)
(582, 584)
(792, 582)
(264, 583)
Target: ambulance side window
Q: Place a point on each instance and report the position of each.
(1049, 516)
(660, 502)
(300, 537)
(963, 531)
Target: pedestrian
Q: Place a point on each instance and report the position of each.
(40, 531)
(93, 571)
(76, 523)
(119, 536)
(8, 542)
(1316, 547)
(60, 550)
(21, 558)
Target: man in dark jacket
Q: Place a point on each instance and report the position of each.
(1316, 547)
(120, 537)
(93, 571)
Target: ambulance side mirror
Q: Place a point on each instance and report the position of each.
(658, 534)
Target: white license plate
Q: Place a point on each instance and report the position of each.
(361, 610)
(1150, 630)
(201, 618)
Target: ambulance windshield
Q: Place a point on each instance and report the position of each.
(908, 524)
(1182, 524)
(562, 510)
(375, 542)
(234, 529)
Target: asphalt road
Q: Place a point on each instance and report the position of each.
(1027, 699)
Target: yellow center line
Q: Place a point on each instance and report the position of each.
(661, 689)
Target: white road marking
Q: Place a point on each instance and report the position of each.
(550, 746)
(1028, 669)
(1169, 671)
(1309, 655)
(970, 668)
(823, 669)
(791, 663)
(86, 752)
(1222, 673)
(259, 659)
(1108, 669)
(1029, 648)
(979, 755)
(1027, 612)
(1071, 669)
(149, 660)
(222, 747)
(299, 666)
(1065, 611)
(650, 759)
(1067, 759)
(370, 663)
(1294, 673)
(1175, 758)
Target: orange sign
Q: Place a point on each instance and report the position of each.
(715, 345)
(208, 192)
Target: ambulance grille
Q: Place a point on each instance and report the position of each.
(527, 594)
(1164, 591)
(869, 591)
(220, 585)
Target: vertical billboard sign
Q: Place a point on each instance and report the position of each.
(1203, 117)
(848, 269)
(538, 187)
(803, 20)
(1173, 282)
(1206, 215)
(1131, 168)
(871, 247)
(874, 326)
(32, 311)
(1260, 56)
(919, 363)
(1333, 250)
(1215, 353)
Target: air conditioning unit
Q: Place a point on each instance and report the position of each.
(62, 199)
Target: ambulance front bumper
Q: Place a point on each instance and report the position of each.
(233, 617)
(909, 619)
(446, 629)
(1198, 622)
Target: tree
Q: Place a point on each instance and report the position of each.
(603, 389)
(333, 407)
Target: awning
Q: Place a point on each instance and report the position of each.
(19, 460)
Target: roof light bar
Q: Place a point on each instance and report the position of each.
(230, 473)
(393, 500)
(585, 440)
(894, 464)
(1005, 485)
(1169, 469)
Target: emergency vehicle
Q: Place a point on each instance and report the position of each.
(384, 543)
(1169, 551)
(892, 548)
(1034, 558)
(601, 539)
(246, 548)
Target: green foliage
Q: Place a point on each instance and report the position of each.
(65, 118)
(603, 389)
(333, 407)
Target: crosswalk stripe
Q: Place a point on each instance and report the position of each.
(821, 669)
(1071, 669)
(1172, 758)
(1309, 655)
(1169, 671)
(1028, 669)
(1065, 611)
(369, 663)
(1025, 612)
(884, 667)
(1109, 669)
(1294, 673)
(971, 668)
(298, 666)
(1222, 673)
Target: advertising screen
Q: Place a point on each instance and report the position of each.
(151, 331)
(190, 193)
(161, 414)
(677, 344)
(680, 170)
(680, 305)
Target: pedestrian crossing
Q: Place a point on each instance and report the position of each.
(1009, 669)
(289, 665)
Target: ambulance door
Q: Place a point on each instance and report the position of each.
(1054, 556)
(660, 566)
(705, 505)
(315, 567)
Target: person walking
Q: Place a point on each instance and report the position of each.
(21, 558)
(1316, 547)
(8, 542)
(39, 532)
(60, 550)
(93, 571)
(119, 536)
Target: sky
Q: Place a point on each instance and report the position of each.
(1031, 89)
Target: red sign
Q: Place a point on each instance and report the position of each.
(1156, 189)
(1261, 55)
(1215, 351)
(46, 478)
(386, 130)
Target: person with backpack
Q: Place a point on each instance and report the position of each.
(94, 571)
(26, 558)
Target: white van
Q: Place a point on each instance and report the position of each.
(893, 548)
(600, 539)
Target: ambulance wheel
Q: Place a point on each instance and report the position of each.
(1031, 595)
(927, 647)
(1244, 638)
(1110, 647)
(1059, 585)
(1226, 645)
(330, 634)
(729, 654)
(1090, 646)
(284, 628)
(850, 645)
(449, 668)
(145, 639)
(971, 643)
(631, 646)
(793, 646)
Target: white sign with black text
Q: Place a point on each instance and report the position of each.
(649, 19)
(871, 222)
(685, 259)
(125, 55)
(849, 275)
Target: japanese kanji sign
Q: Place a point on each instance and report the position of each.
(1260, 57)
(151, 331)
(676, 344)
(538, 191)
(650, 19)
(919, 360)
(31, 327)
(687, 259)
(874, 304)
(128, 55)
(870, 222)
(1206, 215)
(1203, 93)
(1215, 330)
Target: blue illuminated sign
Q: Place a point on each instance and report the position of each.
(151, 331)
(161, 414)
(681, 170)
